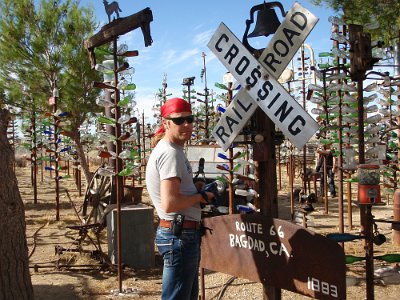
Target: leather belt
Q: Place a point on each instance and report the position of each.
(187, 224)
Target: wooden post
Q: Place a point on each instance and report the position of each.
(264, 156)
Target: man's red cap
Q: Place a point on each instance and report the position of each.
(174, 105)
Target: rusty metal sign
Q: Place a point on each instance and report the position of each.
(274, 252)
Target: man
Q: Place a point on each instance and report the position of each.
(177, 200)
(327, 157)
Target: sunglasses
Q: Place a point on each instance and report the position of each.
(181, 120)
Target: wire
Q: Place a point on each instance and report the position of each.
(34, 239)
(225, 286)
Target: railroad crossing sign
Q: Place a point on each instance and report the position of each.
(259, 79)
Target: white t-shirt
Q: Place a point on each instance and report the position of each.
(168, 160)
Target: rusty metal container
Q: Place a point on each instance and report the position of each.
(396, 216)
(368, 184)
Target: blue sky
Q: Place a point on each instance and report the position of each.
(181, 31)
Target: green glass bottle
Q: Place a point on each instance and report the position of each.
(349, 259)
(128, 87)
(390, 257)
(236, 168)
(392, 145)
(125, 101)
(106, 120)
(128, 171)
(325, 54)
(344, 237)
(324, 66)
(222, 179)
(221, 86)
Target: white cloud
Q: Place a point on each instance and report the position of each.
(172, 57)
(202, 38)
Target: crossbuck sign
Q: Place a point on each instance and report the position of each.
(259, 79)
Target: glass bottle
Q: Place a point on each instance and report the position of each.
(348, 109)
(325, 54)
(384, 111)
(348, 87)
(315, 87)
(106, 120)
(335, 20)
(390, 257)
(373, 119)
(125, 154)
(125, 101)
(221, 86)
(349, 259)
(127, 119)
(324, 65)
(348, 119)
(122, 48)
(101, 101)
(220, 108)
(349, 99)
(371, 109)
(223, 156)
(128, 137)
(127, 87)
(223, 179)
(334, 109)
(371, 87)
(105, 172)
(344, 237)
(372, 129)
(370, 98)
(341, 54)
(336, 76)
(373, 140)
(317, 100)
(317, 111)
(106, 137)
(338, 37)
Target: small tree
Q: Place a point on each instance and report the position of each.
(46, 48)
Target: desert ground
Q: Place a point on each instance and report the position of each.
(80, 276)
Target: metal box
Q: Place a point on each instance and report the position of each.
(137, 232)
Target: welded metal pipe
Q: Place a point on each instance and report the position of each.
(396, 217)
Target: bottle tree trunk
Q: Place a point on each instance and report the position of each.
(15, 280)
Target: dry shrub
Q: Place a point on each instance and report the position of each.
(20, 161)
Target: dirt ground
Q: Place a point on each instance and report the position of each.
(78, 276)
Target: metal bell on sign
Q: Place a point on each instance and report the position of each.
(267, 23)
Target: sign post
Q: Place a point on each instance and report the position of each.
(257, 246)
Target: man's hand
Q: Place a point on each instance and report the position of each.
(199, 185)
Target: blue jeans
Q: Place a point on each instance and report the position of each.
(181, 263)
(330, 180)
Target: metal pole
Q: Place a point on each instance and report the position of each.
(365, 210)
(230, 155)
(206, 125)
(340, 137)
(34, 157)
(349, 207)
(279, 167)
(118, 167)
(303, 88)
(327, 124)
(56, 175)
